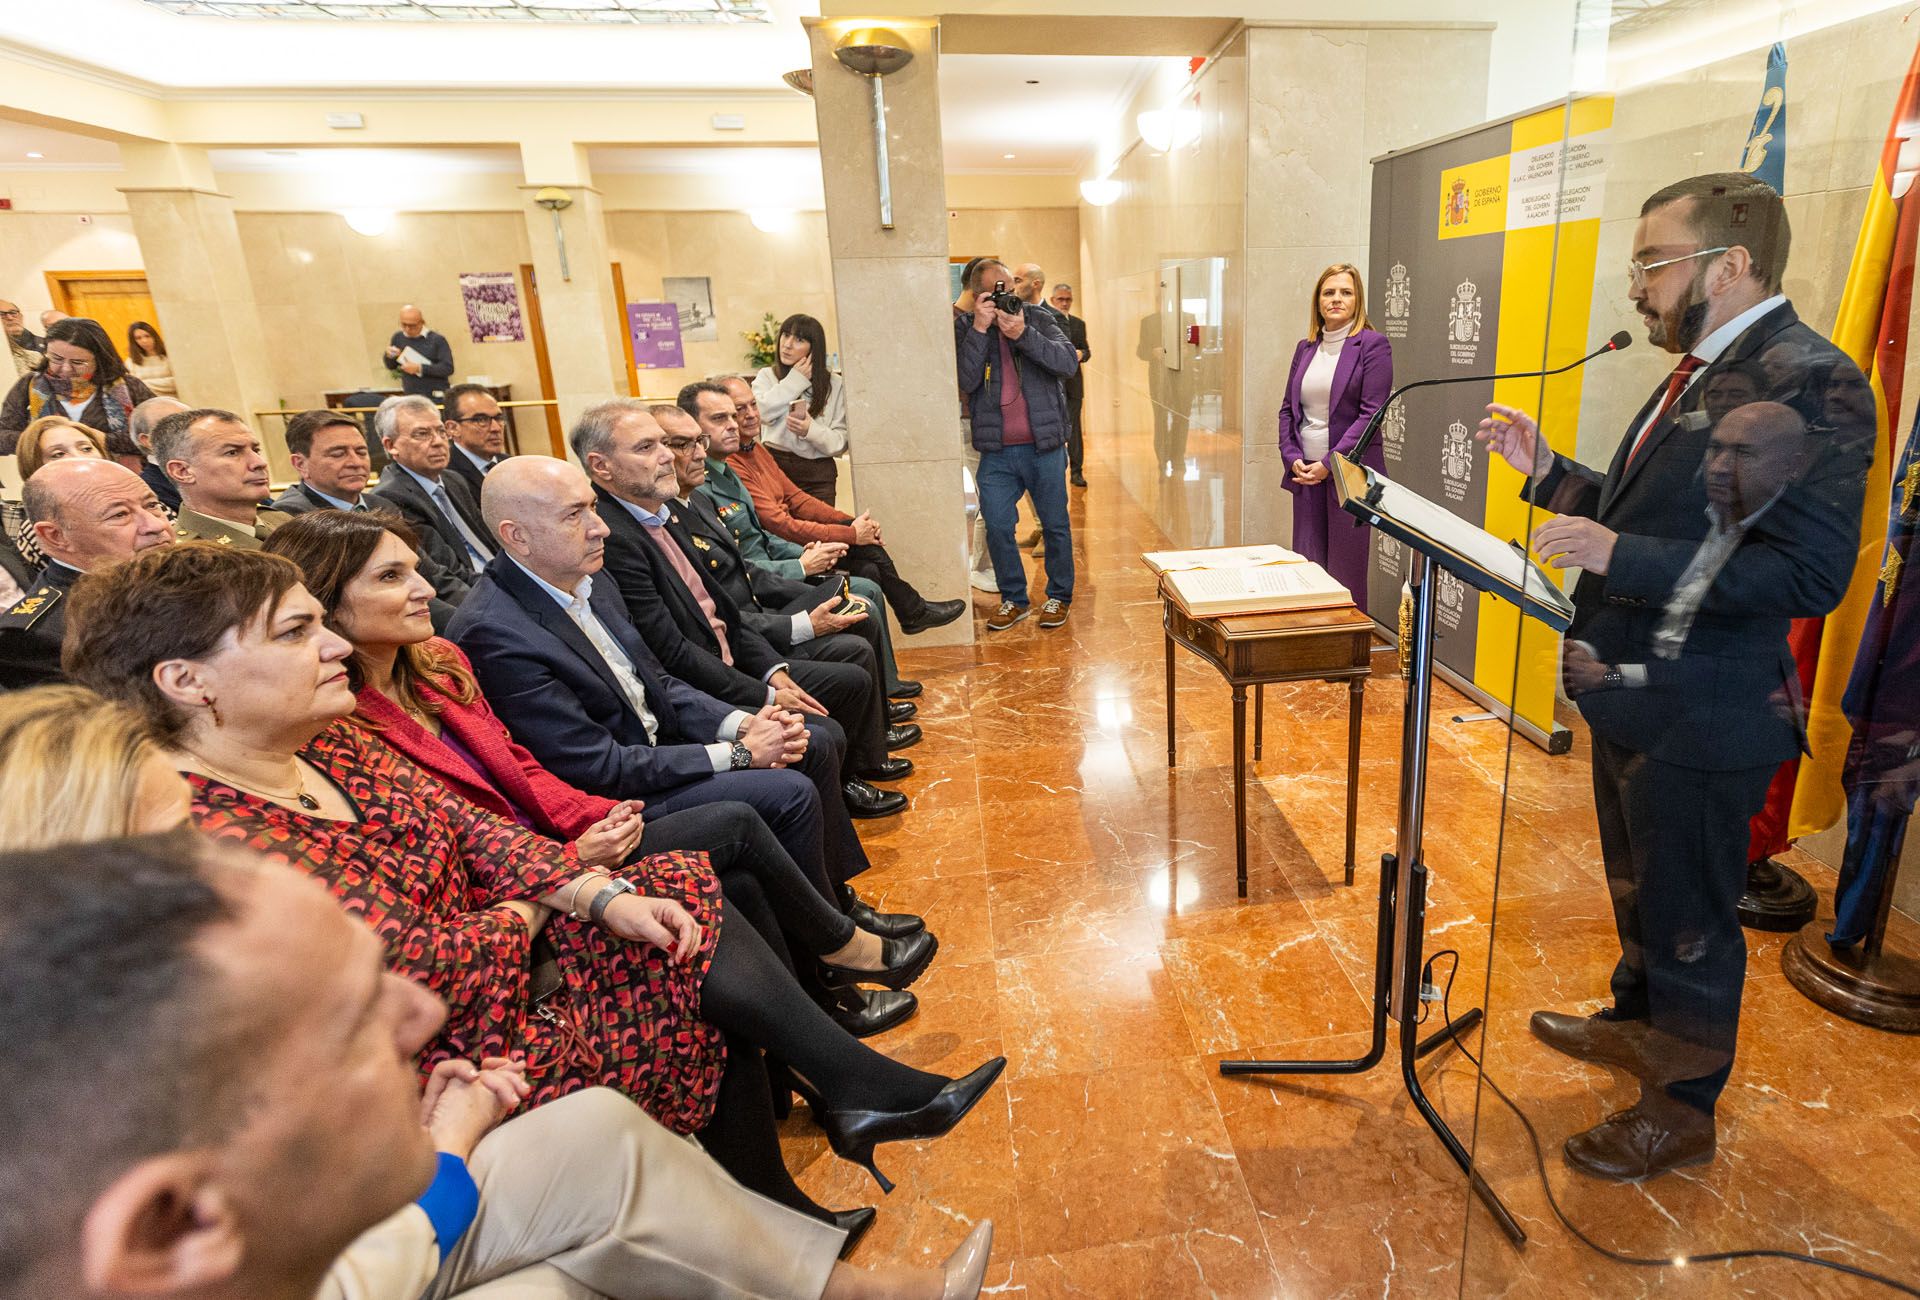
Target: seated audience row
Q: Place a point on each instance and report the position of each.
(179, 949)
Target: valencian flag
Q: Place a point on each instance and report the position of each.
(1765, 156)
(1871, 328)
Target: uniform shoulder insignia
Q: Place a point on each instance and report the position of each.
(32, 607)
(702, 544)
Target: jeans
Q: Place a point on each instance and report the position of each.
(1002, 477)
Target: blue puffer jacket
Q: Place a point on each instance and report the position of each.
(1042, 357)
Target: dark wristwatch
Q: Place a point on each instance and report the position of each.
(1612, 679)
(741, 757)
(597, 910)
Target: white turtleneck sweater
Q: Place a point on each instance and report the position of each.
(1316, 392)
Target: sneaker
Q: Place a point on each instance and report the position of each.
(1052, 614)
(986, 582)
(1006, 615)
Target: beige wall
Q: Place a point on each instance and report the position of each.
(33, 243)
(329, 297)
(1049, 236)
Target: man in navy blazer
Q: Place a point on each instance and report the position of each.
(574, 683)
(1689, 726)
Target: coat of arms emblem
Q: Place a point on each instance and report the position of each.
(1456, 205)
(1456, 460)
(1393, 432)
(1453, 600)
(1463, 322)
(1398, 295)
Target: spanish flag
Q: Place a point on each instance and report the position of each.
(1871, 327)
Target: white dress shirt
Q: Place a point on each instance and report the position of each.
(580, 609)
(437, 492)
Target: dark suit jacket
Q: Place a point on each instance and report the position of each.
(1362, 380)
(432, 379)
(1732, 698)
(560, 699)
(163, 487)
(758, 593)
(671, 621)
(31, 632)
(1076, 331)
(399, 491)
(459, 464)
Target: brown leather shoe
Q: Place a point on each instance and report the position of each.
(1053, 613)
(1656, 1135)
(1599, 1037)
(1006, 615)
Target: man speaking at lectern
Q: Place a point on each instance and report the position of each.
(1682, 755)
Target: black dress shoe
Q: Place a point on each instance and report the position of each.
(865, 801)
(855, 1224)
(888, 925)
(906, 690)
(866, 1012)
(903, 735)
(1077, 480)
(906, 960)
(893, 769)
(1602, 1037)
(901, 710)
(1656, 1135)
(853, 1134)
(934, 613)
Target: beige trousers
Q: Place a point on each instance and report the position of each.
(589, 1197)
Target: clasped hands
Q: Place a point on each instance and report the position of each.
(1308, 472)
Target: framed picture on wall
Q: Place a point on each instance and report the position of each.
(693, 295)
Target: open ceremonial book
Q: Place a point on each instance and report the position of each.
(1255, 589)
(1221, 557)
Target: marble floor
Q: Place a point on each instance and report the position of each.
(1084, 899)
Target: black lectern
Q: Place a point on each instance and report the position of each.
(1434, 537)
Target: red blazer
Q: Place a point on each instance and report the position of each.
(558, 809)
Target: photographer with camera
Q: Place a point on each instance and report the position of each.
(1011, 362)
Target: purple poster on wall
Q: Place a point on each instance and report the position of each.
(655, 328)
(492, 300)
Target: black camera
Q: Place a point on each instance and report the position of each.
(1004, 301)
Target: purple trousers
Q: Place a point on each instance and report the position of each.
(1331, 537)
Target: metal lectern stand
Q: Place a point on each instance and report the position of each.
(1435, 540)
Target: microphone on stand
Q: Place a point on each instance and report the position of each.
(1615, 344)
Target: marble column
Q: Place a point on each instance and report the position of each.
(584, 319)
(895, 322)
(201, 290)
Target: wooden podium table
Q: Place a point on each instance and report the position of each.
(1331, 645)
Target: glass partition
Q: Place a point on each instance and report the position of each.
(1669, 1100)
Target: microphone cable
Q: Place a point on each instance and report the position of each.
(1546, 1184)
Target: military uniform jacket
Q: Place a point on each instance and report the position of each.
(31, 632)
(760, 593)
(734, 506)
(192, 526)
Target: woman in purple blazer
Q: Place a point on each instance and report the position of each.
(1341, 373)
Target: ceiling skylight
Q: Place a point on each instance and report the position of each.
(526, 11)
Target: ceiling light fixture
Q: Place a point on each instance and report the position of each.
(1100, 193)
(1007, 156)
(772, 221)
(1167, 129)
(801, 79)
(35, 153)
(371, 222)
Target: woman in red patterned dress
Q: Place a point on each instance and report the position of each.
(227, 657)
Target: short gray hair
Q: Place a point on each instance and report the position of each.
(141, 423)
(727, 376)
(1063, 285)
(594, 429)
(173, 436)
(386, 416)
(41, 502)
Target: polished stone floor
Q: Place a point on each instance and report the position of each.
(1084, 899)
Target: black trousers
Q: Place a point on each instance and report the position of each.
(1675, 844)
(872, 629)
(1076, 449)
(741, 846)
(840, 672)
(817, 476)
(873, 563)
(804, 805)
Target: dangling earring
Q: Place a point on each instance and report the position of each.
(211, 708)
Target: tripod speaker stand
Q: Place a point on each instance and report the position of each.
(1435, 540)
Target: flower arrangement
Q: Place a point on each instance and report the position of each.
(763, 344)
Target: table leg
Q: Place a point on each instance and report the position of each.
(1356, 695)
(1240, 788)
(1259, 718)
(1170, 753)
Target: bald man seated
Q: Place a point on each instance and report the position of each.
(86, 514)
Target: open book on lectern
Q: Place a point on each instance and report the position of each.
(1473, 555)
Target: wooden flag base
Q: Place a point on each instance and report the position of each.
(1881, 989)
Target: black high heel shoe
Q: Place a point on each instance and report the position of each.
(906, 960)
(853, 1134)
(855, 1224)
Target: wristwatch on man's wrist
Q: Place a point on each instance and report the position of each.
(1613, 679)
(740, 758)
(597, 910)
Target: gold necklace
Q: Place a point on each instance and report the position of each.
(298, 793)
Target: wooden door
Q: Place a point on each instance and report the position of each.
(114, 298)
